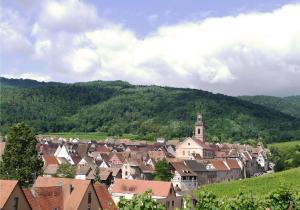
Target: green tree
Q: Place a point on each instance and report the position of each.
(162, 171)
(207, 200)
(140, 202)
(283, 198)
(65, 170)
(20, 159)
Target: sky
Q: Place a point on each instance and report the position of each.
(233, 47)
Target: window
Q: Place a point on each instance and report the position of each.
(199, 131)
(189, 153)
(16, 203)
(183, 153)
(89, 197)
(172, 203)
(168, 204)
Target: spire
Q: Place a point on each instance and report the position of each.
(199, 128)
(199, 121)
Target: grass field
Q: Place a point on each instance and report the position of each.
(285, 146)
(258, 186)
(98, 136)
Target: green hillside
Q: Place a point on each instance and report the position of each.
(117, 108)
(289, 105)
(258, 186)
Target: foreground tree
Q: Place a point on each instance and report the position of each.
(140, 202)
(162, 171)
(20, 158)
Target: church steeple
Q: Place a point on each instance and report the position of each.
(199, 128)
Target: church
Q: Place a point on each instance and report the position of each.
(195, 145)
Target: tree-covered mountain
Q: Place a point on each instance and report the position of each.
(148, 111)
(289, 105)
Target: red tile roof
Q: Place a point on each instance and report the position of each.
(70, 200)
(219, 165)
(159, 188)
(50, 159)
(41, 198)
(233, 164)
(6, 186)
(104, 197)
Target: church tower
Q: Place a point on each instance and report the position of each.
(199, 129)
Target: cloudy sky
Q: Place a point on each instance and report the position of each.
(235, 47)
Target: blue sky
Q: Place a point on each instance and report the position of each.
(231, 47)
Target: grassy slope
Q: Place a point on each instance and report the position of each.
(258, 186)
(285, 146)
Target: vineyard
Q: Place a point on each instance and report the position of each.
(258, 186)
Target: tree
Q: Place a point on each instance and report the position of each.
(20, 158)
(140, 202)
(162, 171)
(207, 200)
(65, 170)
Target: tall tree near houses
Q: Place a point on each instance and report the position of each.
(162, 171)
(20, 158)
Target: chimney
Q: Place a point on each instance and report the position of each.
(71, 188)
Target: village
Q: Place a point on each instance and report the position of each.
(125, 168)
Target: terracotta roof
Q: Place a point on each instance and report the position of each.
(182, 169)
(159, 188)
(6, 186)
(31, 200)
(102, 148)
(76, 159)
(157, 154)
(82, 149)
(41, 198)
(104, 197)
(83, 170)
(71, 200)
(195, 166)
(49, 159)
(104, 173)
(233, 164)
(219, 165)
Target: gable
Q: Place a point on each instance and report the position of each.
(189, 143)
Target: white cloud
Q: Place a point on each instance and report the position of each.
(255, 53)
(13, 38)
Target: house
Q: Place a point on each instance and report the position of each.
(206, 174)
(136, 169)
(162, 192)
(82, 172)
(223, 171)
(50, 164)
(195, 145)
(116, 159)
(106, 201)
(157, 155)
(184, 178)
(62, 194)
(12, 196)
(235, 169)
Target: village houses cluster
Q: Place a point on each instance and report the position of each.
(126, 168)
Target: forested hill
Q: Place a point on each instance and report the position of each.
(289, 105)
(148, 111)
